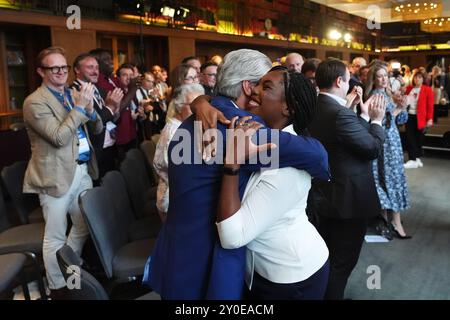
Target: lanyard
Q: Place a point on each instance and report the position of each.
(112, 82)
(67, 102)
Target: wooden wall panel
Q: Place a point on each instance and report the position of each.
(74, 42)
(4, 91)
(179, 48)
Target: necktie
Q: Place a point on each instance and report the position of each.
(98, 98)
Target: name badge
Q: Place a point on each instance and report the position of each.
(110, 126)
(84, 146)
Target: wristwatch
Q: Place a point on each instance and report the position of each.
(230, 171)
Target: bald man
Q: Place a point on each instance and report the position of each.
(294, 62)
(355, 80)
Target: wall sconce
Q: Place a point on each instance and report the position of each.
(334, 34)
(348, 37)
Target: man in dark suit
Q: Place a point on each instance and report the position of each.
(352, 142)
(188, 261)
(86, 69)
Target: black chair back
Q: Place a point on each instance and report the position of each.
(4, 222)
(116, 187)
(70, 266)
(25, 203)
(107, 233)
(148, 148)
(138, 183)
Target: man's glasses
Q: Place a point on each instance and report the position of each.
(210, 74)
(57, 69)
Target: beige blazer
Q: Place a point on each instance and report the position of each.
(53, 134)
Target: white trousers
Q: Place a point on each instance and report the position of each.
(55, 215)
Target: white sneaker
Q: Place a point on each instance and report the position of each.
(411, 164)
(419, 162)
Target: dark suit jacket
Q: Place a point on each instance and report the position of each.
(105, 114)
(352, 144)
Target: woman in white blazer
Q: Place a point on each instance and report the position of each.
(286, 257)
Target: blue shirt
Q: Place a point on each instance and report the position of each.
(67, 102)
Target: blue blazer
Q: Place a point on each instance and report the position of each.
(188, 261)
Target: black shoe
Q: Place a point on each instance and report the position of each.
(398, 235)
(382, 228)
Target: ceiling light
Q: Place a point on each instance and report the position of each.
(417, 10)
(436, 25)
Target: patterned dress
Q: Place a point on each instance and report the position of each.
(388, 169)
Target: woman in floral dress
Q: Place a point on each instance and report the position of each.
(388, 169)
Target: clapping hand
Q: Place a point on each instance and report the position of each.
(84, 97)
(354, 97)
(377, 107)
(113, 99)
(401, 101)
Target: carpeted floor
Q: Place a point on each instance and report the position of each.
(418, 268)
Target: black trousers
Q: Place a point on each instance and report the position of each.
(344, 238)
(312, 288)
(106, 161)
(122, 149)
(414, 138)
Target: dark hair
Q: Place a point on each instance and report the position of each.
(419, 73)
(328, 71)
(363, 68)
(279, 68)
(178, 75)
(207, 64)
(98, 52)
(301, 100)
(79, 58)
(310, 65)
(185, 60)
(124, 66)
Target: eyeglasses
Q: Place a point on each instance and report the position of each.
(210, 74)
(57, 69)
(191, 78)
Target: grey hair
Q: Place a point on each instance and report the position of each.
(240, 65)
(179, 97)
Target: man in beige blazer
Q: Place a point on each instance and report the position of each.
(63, 161)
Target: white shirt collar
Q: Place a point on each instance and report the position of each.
(290, 129)
(234, 104)
(339, 100)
